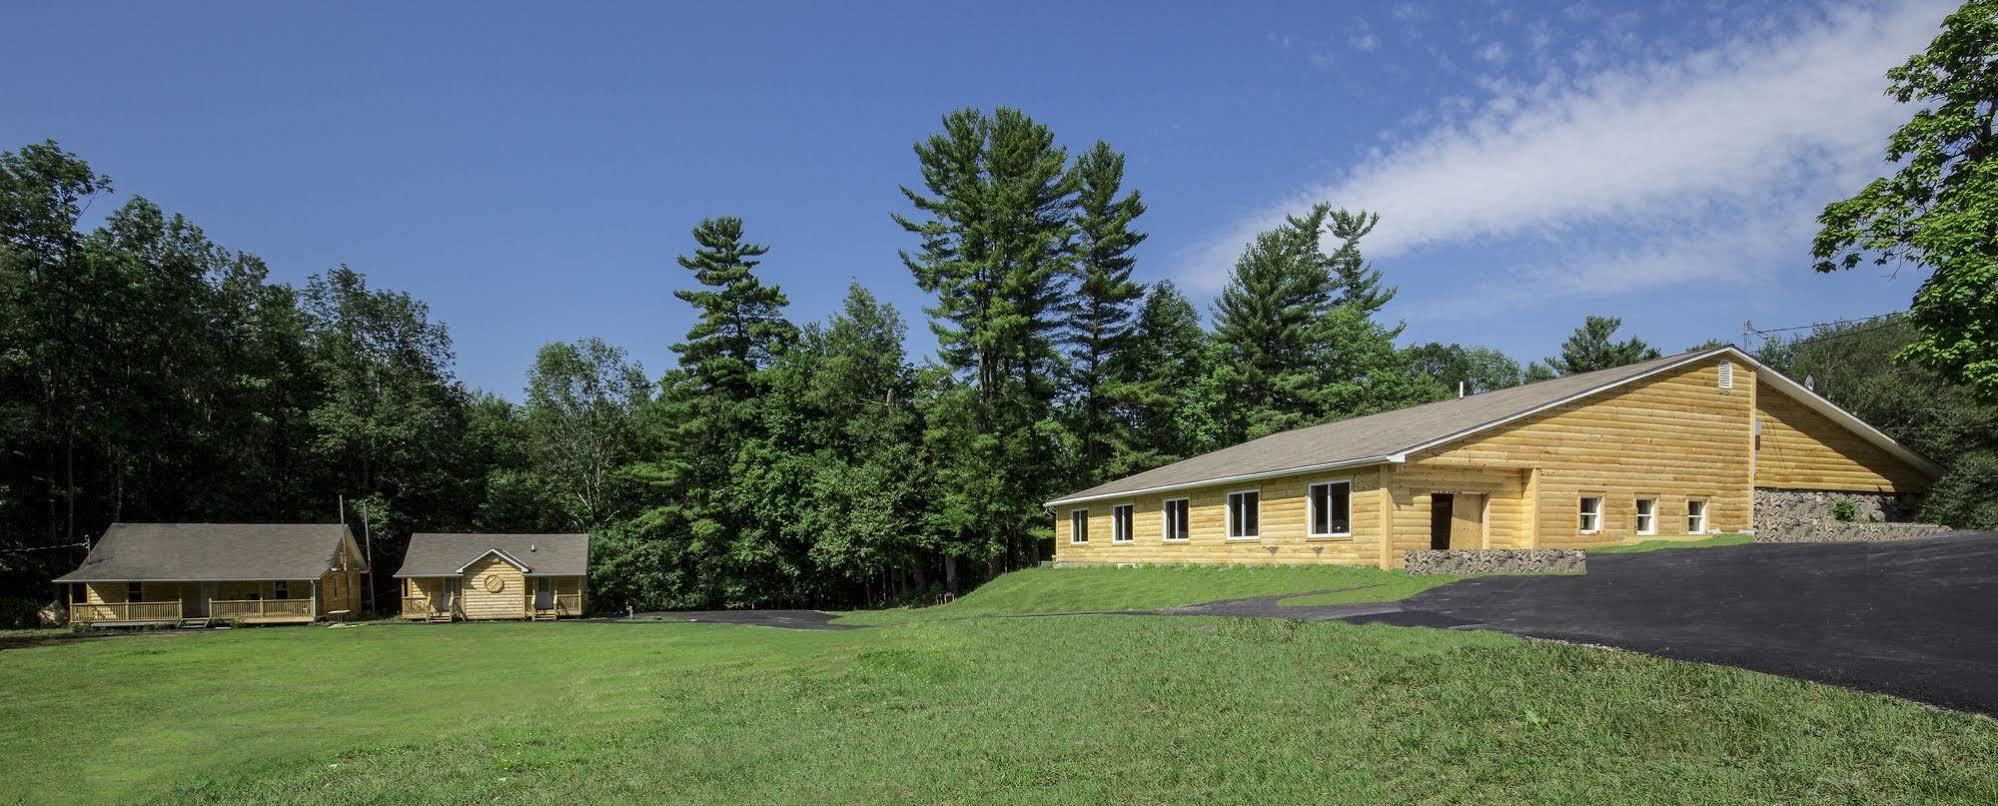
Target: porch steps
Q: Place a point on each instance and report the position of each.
(543, 615)
(195, 623)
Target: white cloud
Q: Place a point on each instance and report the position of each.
(1493, 52)
(1706, 165)
(1361, 37)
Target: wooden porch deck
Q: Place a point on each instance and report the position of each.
(235, 611)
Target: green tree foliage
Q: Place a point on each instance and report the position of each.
(577, 432)
(1297, 341)
(147, 373)
(1593, 346)
(996, 237)
(1478, 369)
(842, 411)
(1939, 210)
(1163, 394)
(1100, 314)
(702, 542)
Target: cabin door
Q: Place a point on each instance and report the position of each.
(209, 591)
(1441, 505)
(450, 596)
(1467, 522)
(544, 593)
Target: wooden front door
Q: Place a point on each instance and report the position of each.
(449, 597)
(544, 593)
(1467, 522)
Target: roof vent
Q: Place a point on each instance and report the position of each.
(1727, 374)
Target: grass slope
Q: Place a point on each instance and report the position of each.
(1109, 709)
(1717, 541)
(1073, 590)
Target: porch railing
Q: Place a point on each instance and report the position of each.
(569, 604)
(85, 613)
(259, 608)
(415, 604)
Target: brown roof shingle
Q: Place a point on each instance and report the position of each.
(442, 554)
(212, 551)
(1373, 438)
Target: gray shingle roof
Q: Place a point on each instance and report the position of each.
(433, 554)
(1374, 438)
(211, 551)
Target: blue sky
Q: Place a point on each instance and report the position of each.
(531, 171)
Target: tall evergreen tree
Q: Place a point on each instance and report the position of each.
(704, 545)
(1099, 313)
(1593, 346)
(1160, 396)
(1477, 369)
(1299, 344)
(996, 242)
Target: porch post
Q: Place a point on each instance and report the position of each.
(312, 605)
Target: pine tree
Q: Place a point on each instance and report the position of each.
(1593, 346)
(1264, 322)
(709, 449)
(741, 324)
(1159, 396)
(1099, 313)
(996, 246)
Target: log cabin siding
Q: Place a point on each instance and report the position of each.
(509, 602)
(1804, 450)
(1671, 437)
(1283, 537)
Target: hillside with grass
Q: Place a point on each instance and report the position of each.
(959, 703)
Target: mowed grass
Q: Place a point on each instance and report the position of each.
(1072, 710)
(1716, 541)
(1084, 590)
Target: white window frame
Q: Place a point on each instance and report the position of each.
(1311, 508)
(1074, 532)
(1587, 522)
(281, 589)
(1701, 518)
(1123, 521)
(1647, 522)
(1166, 520)
(1228, 514)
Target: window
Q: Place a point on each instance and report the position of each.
(1078, 526)
(1175, 521)
(1120, 523)
(135, 592)
(544, 585)
(1647, 516)
(1245, 514)
(281, 589)
(1592, 515)
(1331, 508)
(1696, 517)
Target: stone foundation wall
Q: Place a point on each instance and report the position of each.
(1808, 516)
(1496, 561)
(1835, 532)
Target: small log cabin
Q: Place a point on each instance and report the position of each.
(245, 573)
(1675, 447)
(473, 577)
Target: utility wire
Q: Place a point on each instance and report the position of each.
(23, 549)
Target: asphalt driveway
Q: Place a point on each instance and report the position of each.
(1916, 618)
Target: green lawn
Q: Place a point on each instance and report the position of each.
(1660, 545)
(1085, 709)
(1073, 590)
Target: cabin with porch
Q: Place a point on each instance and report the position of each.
(1672, 448)
(476, 577)
(196, 574)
